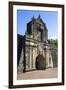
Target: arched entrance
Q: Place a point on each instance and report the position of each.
(40, 62)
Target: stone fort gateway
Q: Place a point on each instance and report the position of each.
(34, 50)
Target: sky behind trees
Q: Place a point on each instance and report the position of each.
(48, 17)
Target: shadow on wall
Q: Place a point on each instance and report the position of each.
(20, 40)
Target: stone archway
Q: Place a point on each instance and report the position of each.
(40, 62)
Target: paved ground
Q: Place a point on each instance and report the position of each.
(48, 73)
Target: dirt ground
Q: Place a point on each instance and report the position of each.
(38, 74)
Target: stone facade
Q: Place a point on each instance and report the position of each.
(35, 44)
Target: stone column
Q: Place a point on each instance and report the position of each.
(34, 56)
(47, 58)
(30, 58)
(50, 60)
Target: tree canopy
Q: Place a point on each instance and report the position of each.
(53, 42)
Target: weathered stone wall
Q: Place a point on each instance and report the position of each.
(54, 53)
(35, 41)
(52, 57)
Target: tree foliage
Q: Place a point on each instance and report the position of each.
(53, 42)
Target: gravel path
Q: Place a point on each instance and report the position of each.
(38, 74)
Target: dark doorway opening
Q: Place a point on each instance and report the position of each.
(40, 62)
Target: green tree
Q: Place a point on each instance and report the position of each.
(53, 42)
